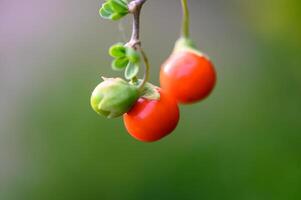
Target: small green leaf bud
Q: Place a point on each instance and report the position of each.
(113, 97)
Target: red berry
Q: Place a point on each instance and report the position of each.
(151, 120)
(188, 76)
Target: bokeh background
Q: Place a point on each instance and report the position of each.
(242, 143)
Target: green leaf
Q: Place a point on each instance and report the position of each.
(131, 71)
(114, 9)
(119, 7)
(150, 92)
(132, 55)
(117, 50)
(124, 2)
(120, 63)
(116, 16)
(104, 13)
(108, 7)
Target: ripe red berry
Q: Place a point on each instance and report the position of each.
(151, 120)
(188, 76)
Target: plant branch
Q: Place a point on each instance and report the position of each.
(135, 7)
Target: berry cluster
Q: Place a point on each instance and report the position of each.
(150, 112)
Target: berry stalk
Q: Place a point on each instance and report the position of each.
(186, 20)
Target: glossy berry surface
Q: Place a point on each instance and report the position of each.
(188, 76)
(151, 120)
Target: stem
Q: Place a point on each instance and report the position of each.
(147, 69)
(135, 8)
(185, 20)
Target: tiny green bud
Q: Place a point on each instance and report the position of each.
(113, 97)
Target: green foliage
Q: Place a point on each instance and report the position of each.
(125, 58)
(132, 55)
(117, 50)
(119, 63)
(131, 71)
(114, 9)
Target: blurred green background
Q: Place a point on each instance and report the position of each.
(242, 143)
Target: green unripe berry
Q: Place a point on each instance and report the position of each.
(113, 97)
